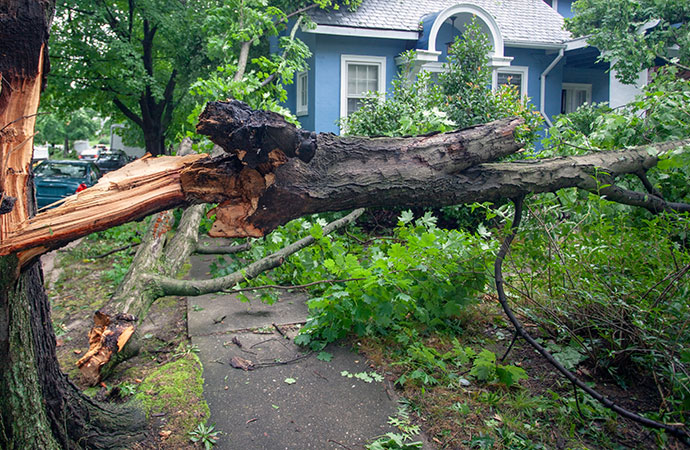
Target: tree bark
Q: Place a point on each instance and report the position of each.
(39, 407)
(273, 172)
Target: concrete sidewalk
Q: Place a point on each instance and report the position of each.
(290, 400)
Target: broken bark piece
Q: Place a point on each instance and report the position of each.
(6, 203)
(253, 134)
(241, 363)
(109, 335)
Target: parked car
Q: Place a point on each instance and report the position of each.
(57, 179)
(90, 154)
(110, 160)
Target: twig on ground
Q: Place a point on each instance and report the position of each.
(283, 363)
(340, 444)
(281, 332)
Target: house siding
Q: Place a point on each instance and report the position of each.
(597, 78)
(538, 61)
(565, 8)
(327, 51)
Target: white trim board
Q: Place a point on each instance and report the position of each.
(380, 61)
(302, 88)
(364, 32)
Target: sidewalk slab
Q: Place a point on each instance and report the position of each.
(322, 409)
(222, 313)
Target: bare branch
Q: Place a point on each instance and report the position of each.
(224, 250)
(171, 286)
(498, 273)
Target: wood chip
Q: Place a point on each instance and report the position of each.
(241, 363)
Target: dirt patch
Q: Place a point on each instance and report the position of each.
(77, 285)
(540, 410)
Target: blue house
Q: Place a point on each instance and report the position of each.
(357, 52)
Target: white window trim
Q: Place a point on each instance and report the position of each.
(580, 87)
(522, 70)
(359, 59)
(302, 109)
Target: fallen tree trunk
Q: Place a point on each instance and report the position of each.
(273, 172)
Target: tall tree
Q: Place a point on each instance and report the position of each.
(635, 34)
(131, 59)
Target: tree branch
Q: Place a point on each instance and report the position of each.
(224, 250)
(171, 286)
(128, 112)
(273, 76)
(650, 202)
(498, 273)
(273, 172)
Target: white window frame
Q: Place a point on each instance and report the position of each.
(345, 60)
(579, 87)
(524, 75)
(302, 87)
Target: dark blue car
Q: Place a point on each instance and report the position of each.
(55, 180)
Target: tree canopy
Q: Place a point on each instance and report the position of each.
(635, 34)
(136, 60)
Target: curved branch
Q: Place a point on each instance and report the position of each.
(224, 250)
(505, 246)
(171, 286)
(652, 203)
(128, 112)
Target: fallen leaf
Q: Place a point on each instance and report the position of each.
(59, 342)
(241, 363)
(290, 381)
(165, 433)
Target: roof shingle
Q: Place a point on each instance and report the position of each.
(520, 21)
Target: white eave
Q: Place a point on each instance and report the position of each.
(575, 44)
(364, 32)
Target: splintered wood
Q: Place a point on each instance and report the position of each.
(20, 96)
(143, 187)
(108, 336)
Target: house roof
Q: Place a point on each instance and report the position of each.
(522, 22)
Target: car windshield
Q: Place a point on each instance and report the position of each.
(60, 170)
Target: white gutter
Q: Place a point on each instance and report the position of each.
(542, 92)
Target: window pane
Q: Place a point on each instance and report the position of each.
(514, 79)
(351, 79)
(362, 78)
(353, 105)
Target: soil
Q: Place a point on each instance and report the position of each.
(77, 287)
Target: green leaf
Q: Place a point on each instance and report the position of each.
(290, 381)
(302, 339)
(510, 375)
(324, 356)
